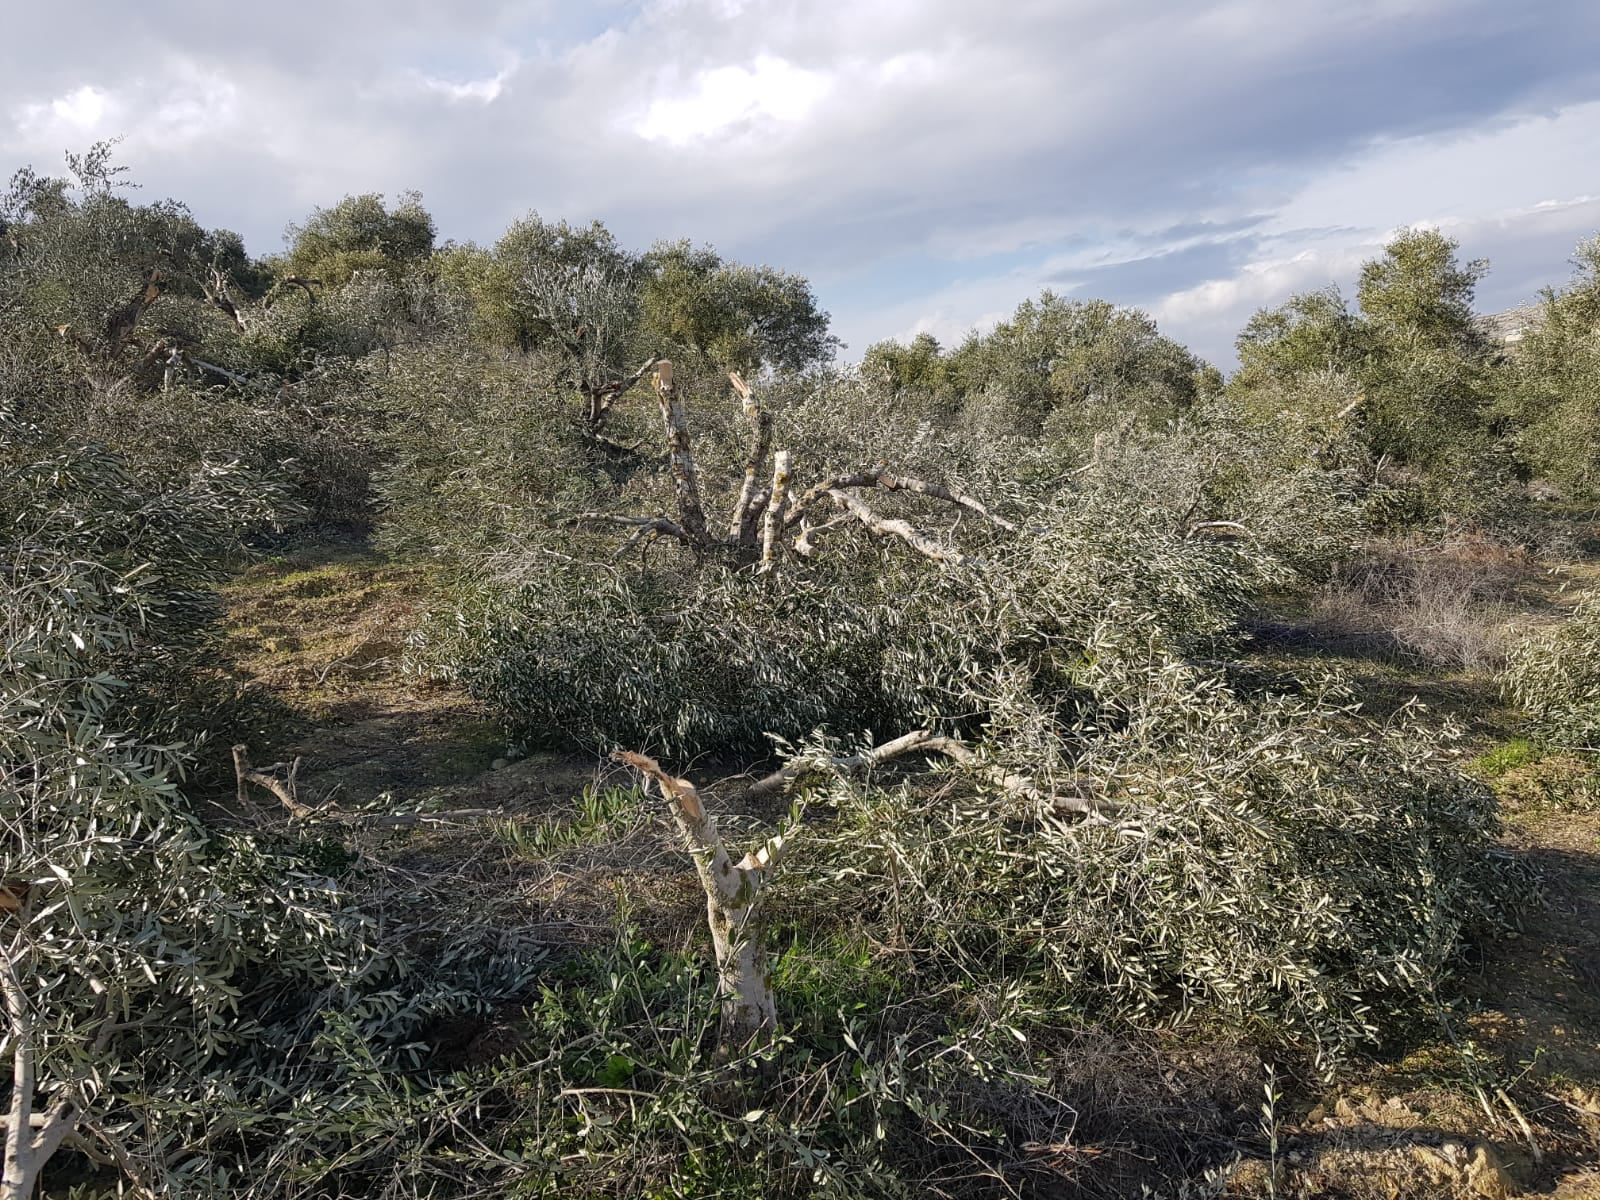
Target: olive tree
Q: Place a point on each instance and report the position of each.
(1413, 346)
(1551, 384)
(360, 233)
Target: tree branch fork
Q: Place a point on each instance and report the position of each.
(768, 523)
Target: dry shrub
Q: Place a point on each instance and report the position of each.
(1441, 604)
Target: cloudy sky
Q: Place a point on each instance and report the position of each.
(927, 163)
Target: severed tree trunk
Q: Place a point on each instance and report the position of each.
(31, 1136)
(773, 521)
(741, 525)
(733, 892)
(691, 513)
(762, 521)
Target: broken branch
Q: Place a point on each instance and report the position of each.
(741, 525)
(246, 775)
(922, 741)
(880, 477)
(773, 521)
(904, 530)
(642, 526)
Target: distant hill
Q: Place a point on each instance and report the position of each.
(1508, 327)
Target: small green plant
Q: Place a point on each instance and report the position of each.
(1505, 757)
(602, 814)
(1270, 1127)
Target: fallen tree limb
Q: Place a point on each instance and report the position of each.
(924, 741)
(642, 526)
(600, 399)
(904, 530)
(881, 477)
(284, 791)
(230, 376)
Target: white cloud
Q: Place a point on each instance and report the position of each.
(927, 163)
(484, 91)
(203, 104)
(78, 112)
(770, 88)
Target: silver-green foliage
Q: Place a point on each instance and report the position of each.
(1554, 676)
(1279, 863)
(690, 660)
(171, 982)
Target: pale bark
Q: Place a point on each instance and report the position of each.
(924, 741)
(741, 523)
(21, 1170)
(881, 477)
(691, 513)
(904, 530)
(245, 774)
(772, 523)
(31, 1138)
(732, 891)
(775, 508)
(216, 293)
(230, 376)
(805, 544)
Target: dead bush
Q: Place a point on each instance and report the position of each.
(1441, 604)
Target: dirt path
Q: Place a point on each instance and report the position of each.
(322, 629)
(1504, 1097)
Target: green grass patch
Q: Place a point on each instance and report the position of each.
(1503, 758)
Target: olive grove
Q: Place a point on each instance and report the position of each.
(975, 614)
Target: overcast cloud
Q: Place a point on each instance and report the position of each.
(927, 164)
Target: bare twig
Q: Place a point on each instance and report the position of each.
(653, 526)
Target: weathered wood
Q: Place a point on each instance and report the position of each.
(904, 530)
(772, 523)
(882, 477)
(691, 512)
(246, 775)
(732, 891)
(741, 522)
(924, 741)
